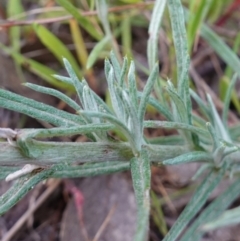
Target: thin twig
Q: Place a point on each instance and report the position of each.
(104, 224)
(11, 23)
(15, 228)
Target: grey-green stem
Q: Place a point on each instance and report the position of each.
(77, 152)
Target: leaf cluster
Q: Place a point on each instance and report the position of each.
(207, 139)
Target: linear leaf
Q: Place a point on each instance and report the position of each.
(141, 176)
(89, 170)
(153, 31)
(175, 125)
(217, 122)
(83, 21)
(200, 9)
(19, 189)
(116, 66)
(189, 157)
(227, 100)
(116, 100)
(123, 72)
(37, 68)
(55, 93)
(146, 93)
(57, 47)
(132, 86)
(196, 203)
(98, 48)
(102, 10)
(181, 114)
(180, 43)
(135, 125)
(211, 212)
(228, 218)
(159, 107)
(112, 119)
(38, 110)
(221, 48)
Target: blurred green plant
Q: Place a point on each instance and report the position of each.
(211, 143)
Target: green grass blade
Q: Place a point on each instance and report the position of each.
(126, 34)
(83, 21)
(102, 10)
(199, 12)
(227, 100)
(157, 214)
(229, 57)
(15, 7)
(57, 47)
(39, 69)
(236, 45)
(98, 48)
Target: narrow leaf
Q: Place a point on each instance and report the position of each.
(55, 93)
(196, 203)
(132, 86)
(211, 212)
(58, 48)
(89, 170)
(227, 100)
(141, 176)
(37, 68)
(175, 125)
(98, 48)
(38, 110)
(189, 157)
(199, 11)
(19, 189)
(83, 21)
(153, 31)
(146, 93)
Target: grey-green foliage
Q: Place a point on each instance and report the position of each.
(208, 141)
